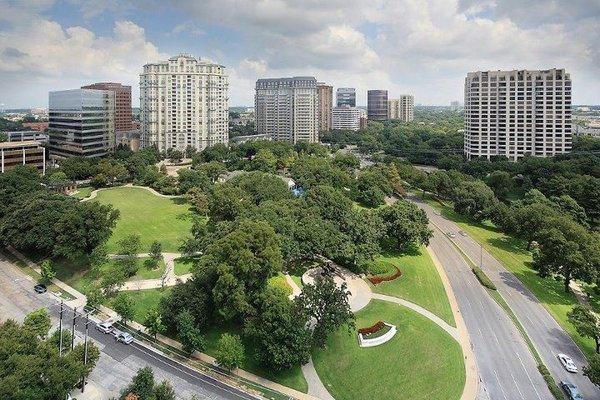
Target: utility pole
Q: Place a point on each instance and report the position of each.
(73, 328)
(60, 330)
(85, 349)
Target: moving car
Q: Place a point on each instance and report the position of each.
(567, 362)
(105, 327)
(125, 338)
(571, 390)
(463, 233)
(451, 234)
(40, 288)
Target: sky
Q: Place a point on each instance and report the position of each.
(420, 47)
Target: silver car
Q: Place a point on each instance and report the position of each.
(125, 338)
(105, 327)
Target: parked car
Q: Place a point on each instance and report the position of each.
(125, 338)
(567, 362)
(571, 390)
(40, 288)
(105, 327)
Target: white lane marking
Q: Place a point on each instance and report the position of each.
(529, 377)
(517, 385)
(500, 384)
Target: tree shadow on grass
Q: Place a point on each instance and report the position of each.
(548, 290)
(509, 244)
(179, 201)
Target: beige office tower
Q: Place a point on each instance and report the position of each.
(325, 93)
(287, 109)
(402, 108)
(517, 113)
(184, 102)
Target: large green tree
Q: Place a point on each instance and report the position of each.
(586, 323)
(405, 225)
(474, 199)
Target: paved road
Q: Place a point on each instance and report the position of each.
(506, 368)
(546, 334)
(118, 362)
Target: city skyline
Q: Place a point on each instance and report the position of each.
(406, 49)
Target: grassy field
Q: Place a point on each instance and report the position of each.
(144, 301)
(421, 362)
(280, 281)
(83, 192)
(513, 255)
(419, 283)
(183, 265)
(152, 217)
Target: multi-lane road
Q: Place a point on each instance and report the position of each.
(507, 368)
(118, 363)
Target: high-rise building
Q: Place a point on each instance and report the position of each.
(455, 105)
(347, 118)
(122, 103)
(325, 93)
(287, 109)
(81, 123)
(402, 108)
(517, 113)
(184, 102)
(345, 97)
(377, 105)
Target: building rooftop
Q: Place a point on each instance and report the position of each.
(24, 143)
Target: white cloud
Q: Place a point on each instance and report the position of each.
(189, 27)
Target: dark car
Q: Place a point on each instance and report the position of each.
(571, 390)
(40, 288)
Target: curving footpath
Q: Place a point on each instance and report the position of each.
(168, 279)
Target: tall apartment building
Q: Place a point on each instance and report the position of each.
(287, 109)
(325, 94)
(346, 118)
(402, 108)
(377, 105)
(123, 120)
(517, 113)
(345, 97)
(184, 102)
(81, 123)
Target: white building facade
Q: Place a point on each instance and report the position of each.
(184, 102)
(517, 113)
(287, 109)
(402, 108)
(346, 118)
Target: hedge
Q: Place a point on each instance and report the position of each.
(483, 278)
(551, 383)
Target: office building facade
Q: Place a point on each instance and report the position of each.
(26, 152)
(345, 97)
(347, 118)
(325, 94)
(287, 109)
(81, 123)
(123, 120)
(184, 102)
(517, 113)
(402, 108)
(377, 105)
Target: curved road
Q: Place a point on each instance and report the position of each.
(118, 362)
(546, 334)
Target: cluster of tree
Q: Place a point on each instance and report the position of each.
(32, 218)
(30, 364)
(144, 387)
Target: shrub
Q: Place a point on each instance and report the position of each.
(483, 278)
(375, 280)
(372, 329)
(550, 382)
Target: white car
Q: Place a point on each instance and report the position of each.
(567, 362)
(105, 327)
(451, 234)
(125, 338)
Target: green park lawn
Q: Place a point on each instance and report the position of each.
(512, 253)
(419, 283)
(152, 217)
(280, 282)
(83, 192)
(421, 362)
(143, 301)
(183, 265)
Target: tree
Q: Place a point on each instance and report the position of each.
(331, 203)
(97, 258)
(58, 177)
(188, 179)
(529, 219)
(156, 253)
(3, 137)
(47, 272)
(474, 199)
(154, 323)
(38, 322)
(164, 391)
(198, 200)
(328, 305)
(66, 339)
(264, 161)
(142, 385)
(405, 225)
(230, 351)
(280, 331)
(592, 371)
(123, 305)
(188, 334)
(586, 323)
(500, 182)
(129, 247)
(99, 181)
(175, 155)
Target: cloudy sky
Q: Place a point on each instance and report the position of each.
(422, 47)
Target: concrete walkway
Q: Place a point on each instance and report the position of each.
(168, 279)
(315, 385)
(131, 185)
(295, 288)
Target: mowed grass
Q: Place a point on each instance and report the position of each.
(183, 265)
(512, 253)
(152, 217)
(419, 283)
(83, 192)
(421, 362)
(143, 301)
(280, 282)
